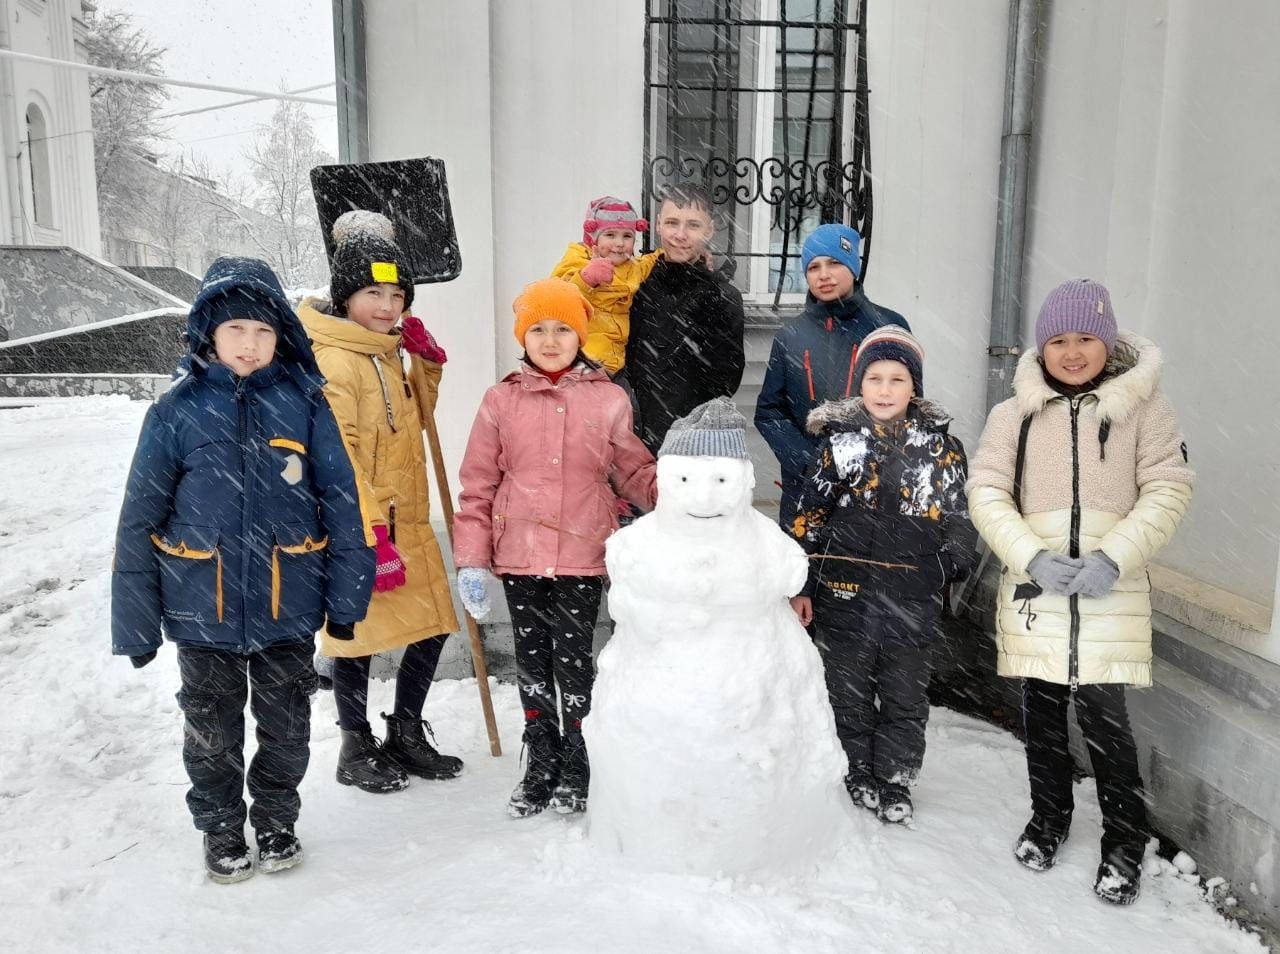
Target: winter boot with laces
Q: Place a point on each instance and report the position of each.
(278, 849)
(1118, 875)
(406, 745)
(893, 804)
(862, 788)
(226, 856)
(543, 750)
(1037, 846)
(362, 763)
(570, 793)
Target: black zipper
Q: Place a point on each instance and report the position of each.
(246, 515)
(1073, 600)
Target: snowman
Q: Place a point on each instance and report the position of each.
(713, 748)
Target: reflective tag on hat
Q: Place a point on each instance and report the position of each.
(1101, 309)
(845, 244)
(385, 272)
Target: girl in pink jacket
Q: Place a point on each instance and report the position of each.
(550, 445)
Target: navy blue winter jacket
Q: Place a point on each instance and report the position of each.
(812, 361)
(241, 525)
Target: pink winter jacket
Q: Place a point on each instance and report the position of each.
(536, 497)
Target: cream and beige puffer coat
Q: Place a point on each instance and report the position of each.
(380, 411)
(1106, 470)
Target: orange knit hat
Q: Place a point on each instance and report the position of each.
(551, 298)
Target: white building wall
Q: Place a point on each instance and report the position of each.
(46, 28)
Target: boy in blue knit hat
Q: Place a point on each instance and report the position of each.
(241, 532)
(814, 355)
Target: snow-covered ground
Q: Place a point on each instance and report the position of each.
(97, 852)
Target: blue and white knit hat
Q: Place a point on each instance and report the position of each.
(713, 429)
(836, 241)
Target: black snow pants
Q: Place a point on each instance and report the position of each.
(1104, 721)
(877, 659)
(554, 619)
(278, 683)
(413, 679)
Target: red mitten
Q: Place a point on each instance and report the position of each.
(418, 340)
(390, 572)
(598, 271)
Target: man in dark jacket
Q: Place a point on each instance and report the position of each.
(685, 345)
(813, 356)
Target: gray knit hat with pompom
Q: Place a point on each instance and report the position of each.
(713, 429)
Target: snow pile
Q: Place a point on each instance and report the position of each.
(97, 852)
(713, 747)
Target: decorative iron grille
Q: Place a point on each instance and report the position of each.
(751, 99)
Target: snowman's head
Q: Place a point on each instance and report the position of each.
(703, 492)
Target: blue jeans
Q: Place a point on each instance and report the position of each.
(216, 684)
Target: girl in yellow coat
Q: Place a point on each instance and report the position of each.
(380, 410)
(601, 266)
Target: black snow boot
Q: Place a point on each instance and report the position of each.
(362, 763)
(861, 786)
(1119, 874)
(226, 856)
(893, 805)
(570, 794)
(543, 750)
(406, 745)
(1037, 846)
(278, 848)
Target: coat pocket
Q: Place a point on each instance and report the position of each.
(190, 573)
(297, 571)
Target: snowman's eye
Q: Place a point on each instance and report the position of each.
(721, 479)
(684, 480)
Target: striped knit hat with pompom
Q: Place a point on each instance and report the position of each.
(610, 212)
(891, 343)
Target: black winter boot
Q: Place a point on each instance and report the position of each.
(1037, 846)
(406, 745)
(362, 763)
(226, 856)
(862, 787)
(1119, 874)
(570, 794)
(278, 849)
(543, 749)
(893, 804)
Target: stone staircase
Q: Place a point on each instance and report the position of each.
(499, 642)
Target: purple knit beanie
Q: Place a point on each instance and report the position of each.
(1080, 305)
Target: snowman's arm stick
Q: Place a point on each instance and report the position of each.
(478, 662)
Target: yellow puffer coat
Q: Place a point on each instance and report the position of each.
(380, 412)
(610, 323)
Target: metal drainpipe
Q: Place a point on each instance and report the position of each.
(353, 97)
(9, 133)
(1011, 212)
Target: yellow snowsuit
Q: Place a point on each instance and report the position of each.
(611, 324)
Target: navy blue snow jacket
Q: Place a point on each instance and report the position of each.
(242, 525)
(812, 361)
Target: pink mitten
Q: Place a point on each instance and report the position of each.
(598, 271)
(390, 572)
(418, 340)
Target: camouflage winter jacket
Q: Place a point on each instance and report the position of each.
(883, 507)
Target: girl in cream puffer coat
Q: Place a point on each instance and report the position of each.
(1079, 480)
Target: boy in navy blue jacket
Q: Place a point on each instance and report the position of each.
(813, 356)
(241, 531)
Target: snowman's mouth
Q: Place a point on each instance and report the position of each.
(706, 516)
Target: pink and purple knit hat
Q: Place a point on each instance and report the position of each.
(1082, 306)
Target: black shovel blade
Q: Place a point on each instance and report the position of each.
(412, 193)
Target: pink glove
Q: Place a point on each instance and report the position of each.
(418, 340)
(390, 573)
(598, 271)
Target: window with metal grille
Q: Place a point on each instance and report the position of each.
(765, 103)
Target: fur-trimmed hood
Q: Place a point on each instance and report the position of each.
(832, 416)
(1133, 374)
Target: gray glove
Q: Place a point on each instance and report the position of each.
(1096, 577)
(474, 590)
(1054, 571)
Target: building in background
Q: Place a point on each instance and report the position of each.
(1152, 170)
